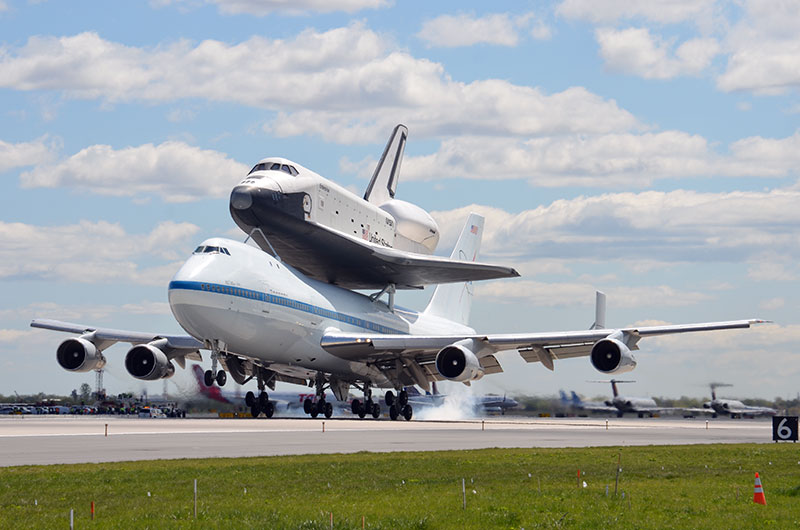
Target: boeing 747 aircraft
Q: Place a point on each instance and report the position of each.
(263, 319)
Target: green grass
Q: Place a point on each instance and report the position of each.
(665, 487)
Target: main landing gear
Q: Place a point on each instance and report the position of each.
(320, 406)
(261, 403)
(398, 406)
(363, 408)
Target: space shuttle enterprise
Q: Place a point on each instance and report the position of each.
(332, 235)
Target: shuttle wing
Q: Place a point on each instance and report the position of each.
(353, 263)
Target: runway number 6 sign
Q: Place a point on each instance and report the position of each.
(784, 428)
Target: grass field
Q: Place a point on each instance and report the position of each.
(664, 487)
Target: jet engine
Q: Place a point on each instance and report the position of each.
(149, 363)
(79, 355)
(611, 356)
(458, 363)
(415, 229)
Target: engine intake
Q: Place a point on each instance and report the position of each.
(79, 355)
(457, 363)
(148, 363)
(611, 356)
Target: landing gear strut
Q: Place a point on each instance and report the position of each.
(213, 375)
(320, 406)
(398, 406)
(261, 403)
(363, 408)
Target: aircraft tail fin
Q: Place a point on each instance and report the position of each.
(576, 400)
(383, 184)
(453, 301)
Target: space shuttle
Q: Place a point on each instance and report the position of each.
(331, 234)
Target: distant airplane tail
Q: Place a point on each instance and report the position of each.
(383, 184)
(453, 301)
(576, 400)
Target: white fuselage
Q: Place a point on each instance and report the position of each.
(632, 404)
(259, 308)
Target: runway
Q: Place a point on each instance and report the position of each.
(65, 440)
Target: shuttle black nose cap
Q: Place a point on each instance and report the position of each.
(241, 197)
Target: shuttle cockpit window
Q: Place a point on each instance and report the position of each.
(209, 249)
(274, 166)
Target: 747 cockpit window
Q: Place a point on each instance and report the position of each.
(208, 249)
(275, 166)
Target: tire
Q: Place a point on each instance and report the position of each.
(407, 412)
(402, 398)
(315, 411)
(328, 410)
(255, 410)
(308, 406)
(393, 412)
(389, 398)
(208, 378)
(249, 399)
(355, 406)
(269, 410)
(263, 399)
(222, 378)
(376, 411)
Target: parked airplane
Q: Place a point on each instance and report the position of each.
(733, 407)
(638, 405)
(330, 234)
(574, 401)
(486, 402)
(264, 319)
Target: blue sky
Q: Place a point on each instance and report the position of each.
(649, 150)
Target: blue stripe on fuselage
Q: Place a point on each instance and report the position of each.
(284, 302)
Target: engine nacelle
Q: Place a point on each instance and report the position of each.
(79, 355)
(458, 363)
(415, 229)
(611, 356)
(148, 363)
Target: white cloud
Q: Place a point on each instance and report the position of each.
(96, 252)
(346, 84)
(772, 303)
(659, 11)
(603, 160)
(501, 29)
(79, 313)
(261, 8)
(635, 51)
(173, 170)
(765, 270)
(24, 154)
(553, 294)
(764, 48)
(678, 226)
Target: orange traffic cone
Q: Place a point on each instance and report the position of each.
(758, 496)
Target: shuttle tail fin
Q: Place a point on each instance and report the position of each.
(383, 184)
(453, 301)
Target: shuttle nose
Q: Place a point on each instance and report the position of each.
(242, 197)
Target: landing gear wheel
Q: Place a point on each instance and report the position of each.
(263, 399)
(208, 378)
(407, 412)
(315, 410)
(249, 399)
(355, 406)
(376, 411)
(255, 410)
(389, 398)
(402, 398)
(393, 412)
(619, 414)
(308, 406)
(222, 378)
(269, 410)
(328, 410)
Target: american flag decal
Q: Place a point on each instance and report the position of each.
(473, 229)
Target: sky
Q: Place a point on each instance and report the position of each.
(646, 149)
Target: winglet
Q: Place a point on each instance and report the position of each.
(599, 311)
